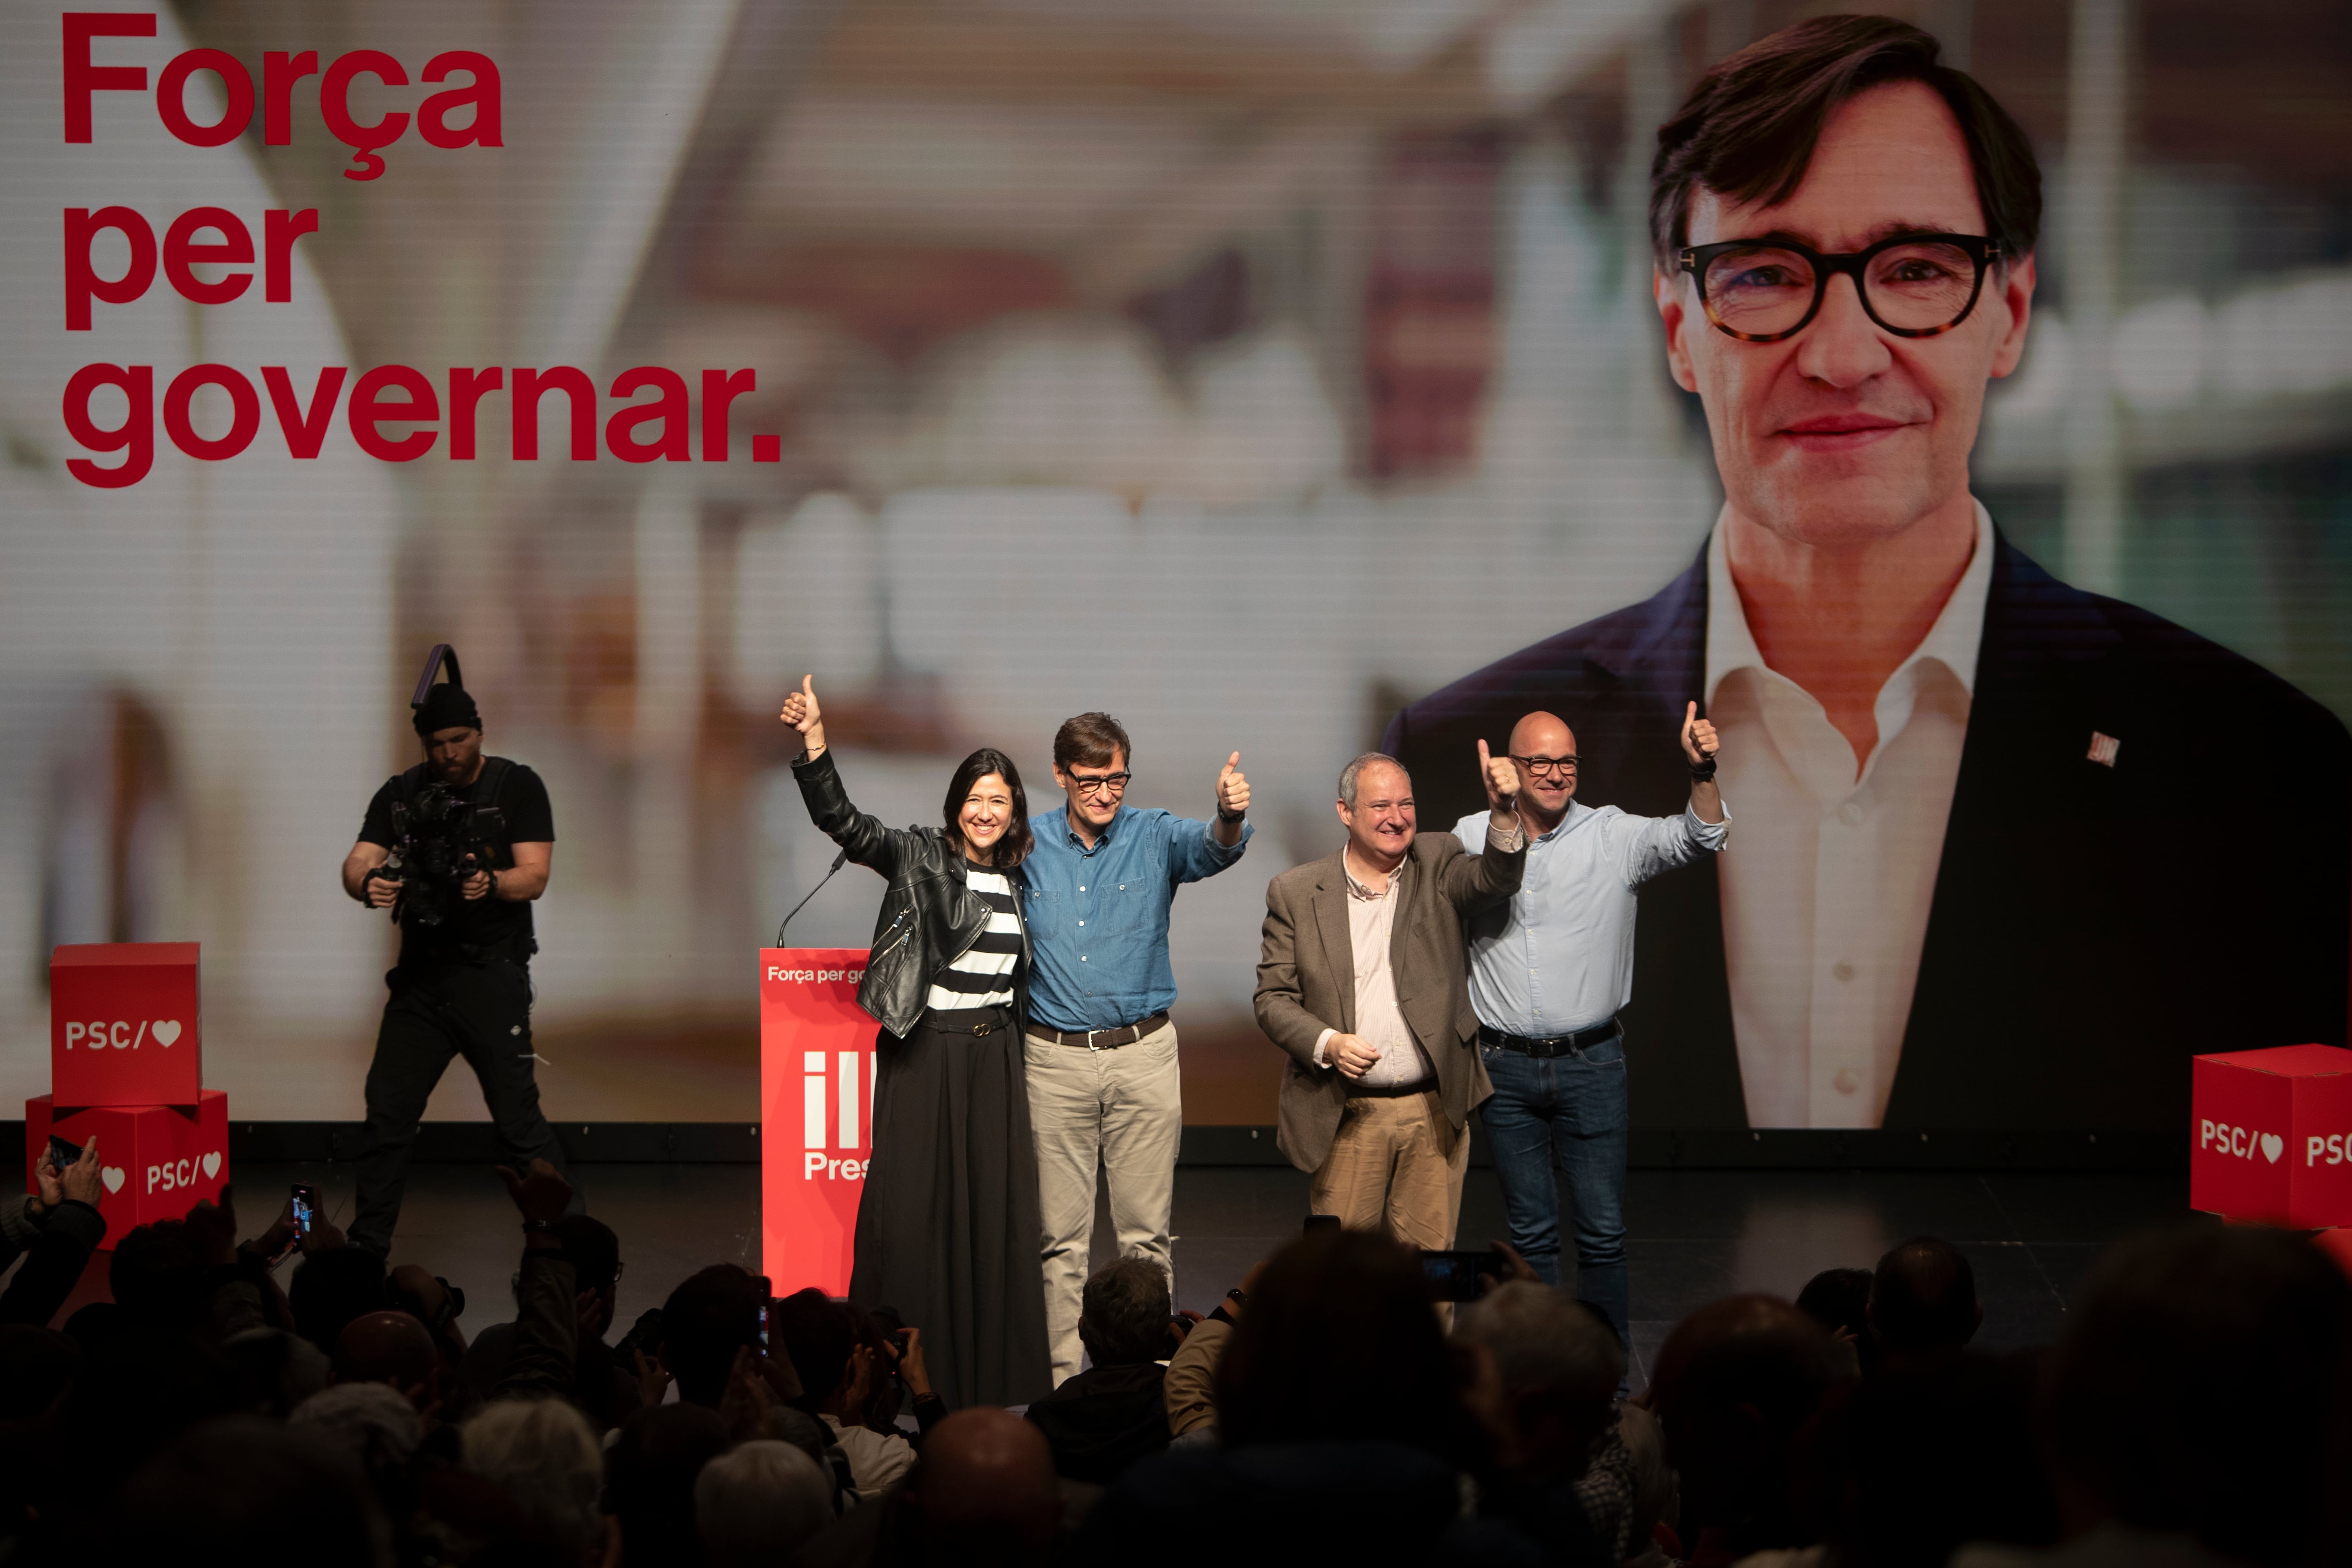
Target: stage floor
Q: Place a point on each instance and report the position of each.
(1695, 1235)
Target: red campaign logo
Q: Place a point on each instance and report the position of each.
(123, 1034)
(2239, 1142)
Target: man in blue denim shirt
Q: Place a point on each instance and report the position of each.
(1548, 974)
(1101, 1052)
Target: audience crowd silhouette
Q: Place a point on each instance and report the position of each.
(2197, 1410)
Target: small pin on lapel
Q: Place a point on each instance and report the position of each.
(2102, 749)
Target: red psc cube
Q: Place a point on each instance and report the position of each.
(156, 1162)
(2271, 1136)
(124, 1029)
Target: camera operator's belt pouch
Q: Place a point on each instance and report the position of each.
(1101, 1039)
(1556, 1046)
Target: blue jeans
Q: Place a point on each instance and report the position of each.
(1565, 1114)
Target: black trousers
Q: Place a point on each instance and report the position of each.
(481, 1012)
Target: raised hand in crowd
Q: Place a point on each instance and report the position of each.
(802, 714)
(540, 1191)
(325, 1236)
(77, 1183)
(653, 1377)
(912, 1370)
(757, 1384)
(211, 1230)
(1514, 1268)
(274, 1242)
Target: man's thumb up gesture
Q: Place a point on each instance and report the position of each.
(1233, 790)
(1699, 740)
(1501, 777)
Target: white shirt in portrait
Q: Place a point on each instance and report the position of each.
(1825, 895)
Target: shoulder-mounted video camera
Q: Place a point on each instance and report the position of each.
(440, 836)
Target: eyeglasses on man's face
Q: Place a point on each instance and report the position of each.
(1549, 767)
(1913, 285)
(1098, 784)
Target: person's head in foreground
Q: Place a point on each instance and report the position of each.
(1124, 1314)
(2202, 1388)
(755, 1504)
(1558, 1365)
(1732, 1386)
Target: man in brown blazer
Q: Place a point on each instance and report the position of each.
(1361, 977)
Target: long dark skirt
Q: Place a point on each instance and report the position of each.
(947, 1230)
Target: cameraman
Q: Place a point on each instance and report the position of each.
(463, 983)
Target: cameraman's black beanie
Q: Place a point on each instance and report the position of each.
(446, 707)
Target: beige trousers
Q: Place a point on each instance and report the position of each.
(1123, 1110)
(1396, 1162)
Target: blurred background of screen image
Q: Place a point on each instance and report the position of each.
(1246, 368)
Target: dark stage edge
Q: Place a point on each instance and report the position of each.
(735, 1142)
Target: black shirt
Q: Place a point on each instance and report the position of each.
(487, 922)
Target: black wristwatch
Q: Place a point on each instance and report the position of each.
(1704, 771)
(1235, 1295)
(1234, 817)
(539, 1227)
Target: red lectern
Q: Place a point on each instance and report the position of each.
(816, 1097)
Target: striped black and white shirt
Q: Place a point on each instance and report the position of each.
(982, 975)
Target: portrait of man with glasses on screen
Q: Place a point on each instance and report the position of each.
(2010, 852)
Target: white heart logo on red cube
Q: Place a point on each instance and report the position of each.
(2272, 1147)
(113, 1177)
(167, 1031)
(212, 1164)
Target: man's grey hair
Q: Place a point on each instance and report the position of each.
(543, 1455)
(1124, 1311)
(373, 1425)
(1544, 1341)
(1347, 774)
(758, 1502)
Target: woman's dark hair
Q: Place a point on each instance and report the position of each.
(1014, 847)
(1339, 1345)
(1749, 129)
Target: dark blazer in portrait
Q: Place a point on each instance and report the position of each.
(2093, 926)
(1306, 978)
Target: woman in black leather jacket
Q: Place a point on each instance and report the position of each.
(948, 1228)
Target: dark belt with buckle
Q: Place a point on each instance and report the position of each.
(1101, 1039)
(1556, 1046)
(980, 1021)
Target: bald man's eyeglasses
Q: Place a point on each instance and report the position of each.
(1547, 767)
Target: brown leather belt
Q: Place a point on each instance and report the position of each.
(1100, 1040)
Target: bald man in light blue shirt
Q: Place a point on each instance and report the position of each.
(1548, 973)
